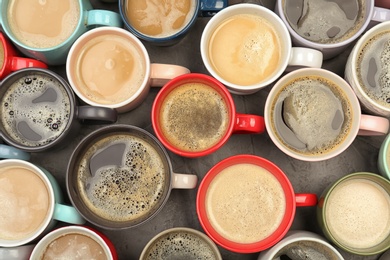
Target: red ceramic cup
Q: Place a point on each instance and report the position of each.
(239, 219)
(10, 61)
(194, 114)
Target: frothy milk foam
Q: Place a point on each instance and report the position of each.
(245, 203)
(1, 56)
(358, 213)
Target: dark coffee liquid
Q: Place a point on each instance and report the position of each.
(306, 250)
(325, 21)
(35, 110)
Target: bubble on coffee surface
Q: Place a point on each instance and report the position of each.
(311, 115)
(180, 245)
(373, 68)
(35, 110)
(308, 250)
(122, 178)
(342, 19)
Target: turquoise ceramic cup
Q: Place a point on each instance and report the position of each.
(384, 158)
(52, 51)
(10, 152)
(31, 201)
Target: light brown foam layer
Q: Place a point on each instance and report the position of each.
(358, 213)
(245, 203)
(1, 56)
(24, 203)
(245, 50)
(43, 23)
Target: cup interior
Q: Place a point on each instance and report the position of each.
(90, 147)
(246, 247)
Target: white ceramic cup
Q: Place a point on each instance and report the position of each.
(288, 55)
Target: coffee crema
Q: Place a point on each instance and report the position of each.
(194, 117)
(245, 49)
(341, 20)
(74, 246)
(122, 177)
(109, 69)
(159, 18)
(311, 115)
(43, 23)
(35, 110)
(373, 68)
(357, 213)
(24, 203)
(245, 203)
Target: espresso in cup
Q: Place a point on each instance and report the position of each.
(159, 18)
(43, 24)
(341, 20)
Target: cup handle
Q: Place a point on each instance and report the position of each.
(67, 214)
(305, 57)
(9, 152)
(249, 124)
(305, 199)
(160, 74)
(380, 14)
(373, 125)
(184, 181)
(96, 115)
(98, 17)
(18, 63)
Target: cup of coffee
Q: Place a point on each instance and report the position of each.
(11, 61)
(313, 115)
(74, 242)
(354, 213)
(45, 30)
(367, 70)
(39, 110)
(247, 204)
(384, 158)
(330, 31)
(194, 115)
(16, 253)
(247, 47)
(181, 243)
(110, 67)
(301, 244)
(31, 201)
(120, 176)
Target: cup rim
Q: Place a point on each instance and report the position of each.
(343, 85)
(85, 37)
(177, 82)
(48, 218)
(383, 157)
(277, 235)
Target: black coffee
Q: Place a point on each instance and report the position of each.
(311, 115)
(325, 21)
(308, 250)
(35, 110)
(122, 177)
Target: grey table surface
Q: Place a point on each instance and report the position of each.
(180, 209)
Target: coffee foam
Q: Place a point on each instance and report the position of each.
(358, 213)
(245, 203)
(43, 23)
(180, 245)
(1, 56)
(372, 68)
(35, 110)
(128, 190)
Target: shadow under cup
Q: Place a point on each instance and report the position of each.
(119, 177)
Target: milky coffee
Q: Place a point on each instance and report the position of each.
(311, 115)
(43, 23)
(180, 245)
(159, 18)
(2, 54)
(35, 110)
(357, 213)
(325, 22)
(122, 177)
(194, 117)
(24, 202)
(245, 49)
(245, 203)
(108, 69)
(372, 68)
(74, 246)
